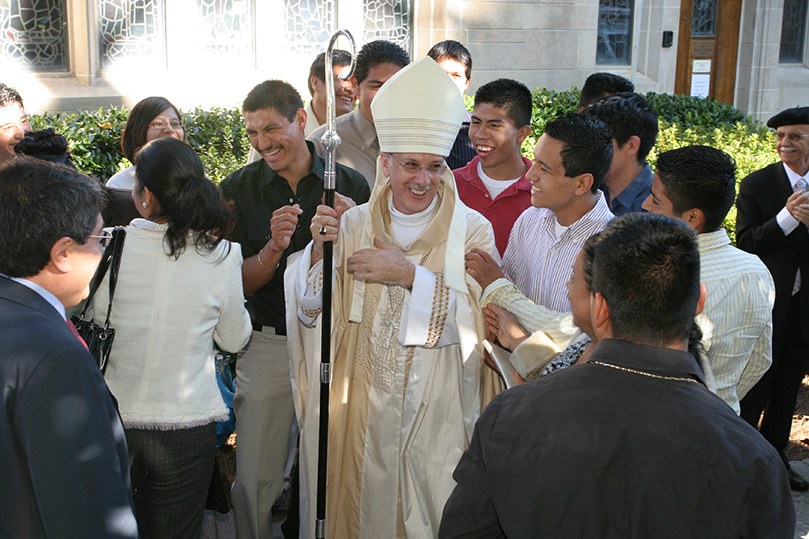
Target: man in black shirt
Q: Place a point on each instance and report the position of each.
(631, 443)
(274, 201)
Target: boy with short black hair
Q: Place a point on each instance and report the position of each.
(494, 182)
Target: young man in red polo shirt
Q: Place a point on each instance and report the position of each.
(494, 183)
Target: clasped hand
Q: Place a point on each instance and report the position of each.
(386, 264)
(798, 206)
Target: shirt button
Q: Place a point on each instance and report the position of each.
(291, 200)
(487, 196)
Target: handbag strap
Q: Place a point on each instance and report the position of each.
(118, 237)
(101, 271)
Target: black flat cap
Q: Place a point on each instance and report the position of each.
(794, 116)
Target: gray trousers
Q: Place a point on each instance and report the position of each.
(171, 473)
(264, 412)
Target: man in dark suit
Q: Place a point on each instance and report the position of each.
(63, 458)
(773, 212)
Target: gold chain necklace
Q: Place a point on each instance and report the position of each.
(642, 373)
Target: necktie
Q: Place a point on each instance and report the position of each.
(74, 332)
(800, 185)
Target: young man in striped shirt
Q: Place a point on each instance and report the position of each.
(695, 184)
(570, 161)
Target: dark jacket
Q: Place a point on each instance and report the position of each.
(601, 451)
(64, 468)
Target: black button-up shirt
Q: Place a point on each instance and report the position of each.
(634, 448)
(256, 192)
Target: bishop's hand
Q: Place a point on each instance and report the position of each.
(386, 264)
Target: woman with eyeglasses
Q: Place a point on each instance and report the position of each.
(179, 290)
(152, 118)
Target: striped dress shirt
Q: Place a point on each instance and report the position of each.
(736, 321)
(539, 263)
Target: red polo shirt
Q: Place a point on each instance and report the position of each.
(502, 211)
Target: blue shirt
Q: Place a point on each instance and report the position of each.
(633, 195)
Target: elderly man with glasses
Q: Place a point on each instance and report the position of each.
(773, 213)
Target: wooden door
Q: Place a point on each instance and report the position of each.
(707, 48)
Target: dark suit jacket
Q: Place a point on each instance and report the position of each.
(64, 470)
(762, 195)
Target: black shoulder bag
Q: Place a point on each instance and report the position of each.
(99, 339)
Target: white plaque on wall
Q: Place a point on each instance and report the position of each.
(700, 85)
(701, 66)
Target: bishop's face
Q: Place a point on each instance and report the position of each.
(414, 179)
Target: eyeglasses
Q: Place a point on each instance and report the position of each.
(794, 137)
(161, 125)
(104, 239)
(436, 169)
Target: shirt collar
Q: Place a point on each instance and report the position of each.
(649, 359)
(46, 295)
(642, 181)
(316, 168)
(710, 241)
(793, 176)
(364, 128)
(584, 223)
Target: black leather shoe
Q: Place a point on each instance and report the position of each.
(796, 481)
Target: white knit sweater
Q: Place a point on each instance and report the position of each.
(166, 314)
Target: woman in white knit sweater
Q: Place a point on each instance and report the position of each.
(179, 290)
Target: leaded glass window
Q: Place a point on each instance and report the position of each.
(130, 28)
(225, 27)
(34, 33)
(389, 20)
(615, 19)
(793, 32)
(703, 18)
(309, 24)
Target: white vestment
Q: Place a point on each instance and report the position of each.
(405, 392)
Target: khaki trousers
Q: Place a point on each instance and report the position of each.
(264, 412)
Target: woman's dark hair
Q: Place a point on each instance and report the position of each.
(47, 145)
(188, 199)
(142, 114)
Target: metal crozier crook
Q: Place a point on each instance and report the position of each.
(330, 142)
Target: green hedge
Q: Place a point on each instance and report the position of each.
(218, 134)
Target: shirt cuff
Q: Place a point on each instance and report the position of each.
(786, 221)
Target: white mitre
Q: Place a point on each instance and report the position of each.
(418, 110)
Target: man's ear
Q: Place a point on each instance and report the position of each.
(60, 252)
(300, 118)
(600, 316)
(694, 218)
(632, 146)
(385, 164)
(523, 133)
(583, 183)
(316, 83)
(703, 296)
